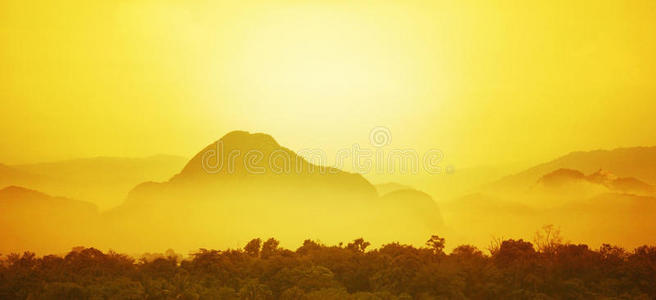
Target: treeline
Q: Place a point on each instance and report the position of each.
(514, 269)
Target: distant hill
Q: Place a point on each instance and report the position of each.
(31, 220)
(408, 202)
(588, 195)
(635, 162)
(566, 179)
(104, 181)
(279, 194)
(14, 176)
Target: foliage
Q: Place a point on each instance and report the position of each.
(516, 269)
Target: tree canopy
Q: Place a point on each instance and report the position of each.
(514, 269)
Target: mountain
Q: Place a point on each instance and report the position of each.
(586, 194)
(423, 215)
(104, 181)
(616, 218)
(247, 185)
(636, 162)
(567, 180)
(32, 220)
(14, 176)
(561, 177)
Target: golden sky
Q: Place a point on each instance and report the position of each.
(486, 82)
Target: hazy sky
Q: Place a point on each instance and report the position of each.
(486, 83)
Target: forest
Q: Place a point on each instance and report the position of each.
(544, 268)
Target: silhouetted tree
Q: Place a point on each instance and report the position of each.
(269, 248)
(358, 245)
(436, 244)
(253, 247)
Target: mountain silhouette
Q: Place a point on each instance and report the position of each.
(31, 220)
(566, 180)
(561, 177)
(13, 176)
(587, 194)
(222, 195)
(410, 202)
(276, 163)
(104, 181)
(636, 162)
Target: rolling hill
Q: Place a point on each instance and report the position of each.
(104, 181)
(636, 162)
(34, 221)
(587, 194)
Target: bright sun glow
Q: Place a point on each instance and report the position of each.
(307, 62)
(430, 70)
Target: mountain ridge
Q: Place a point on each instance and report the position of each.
(638, 162)
(104, 181)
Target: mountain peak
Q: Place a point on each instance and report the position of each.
(230, 150)
(240, 137)
(561, 176)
